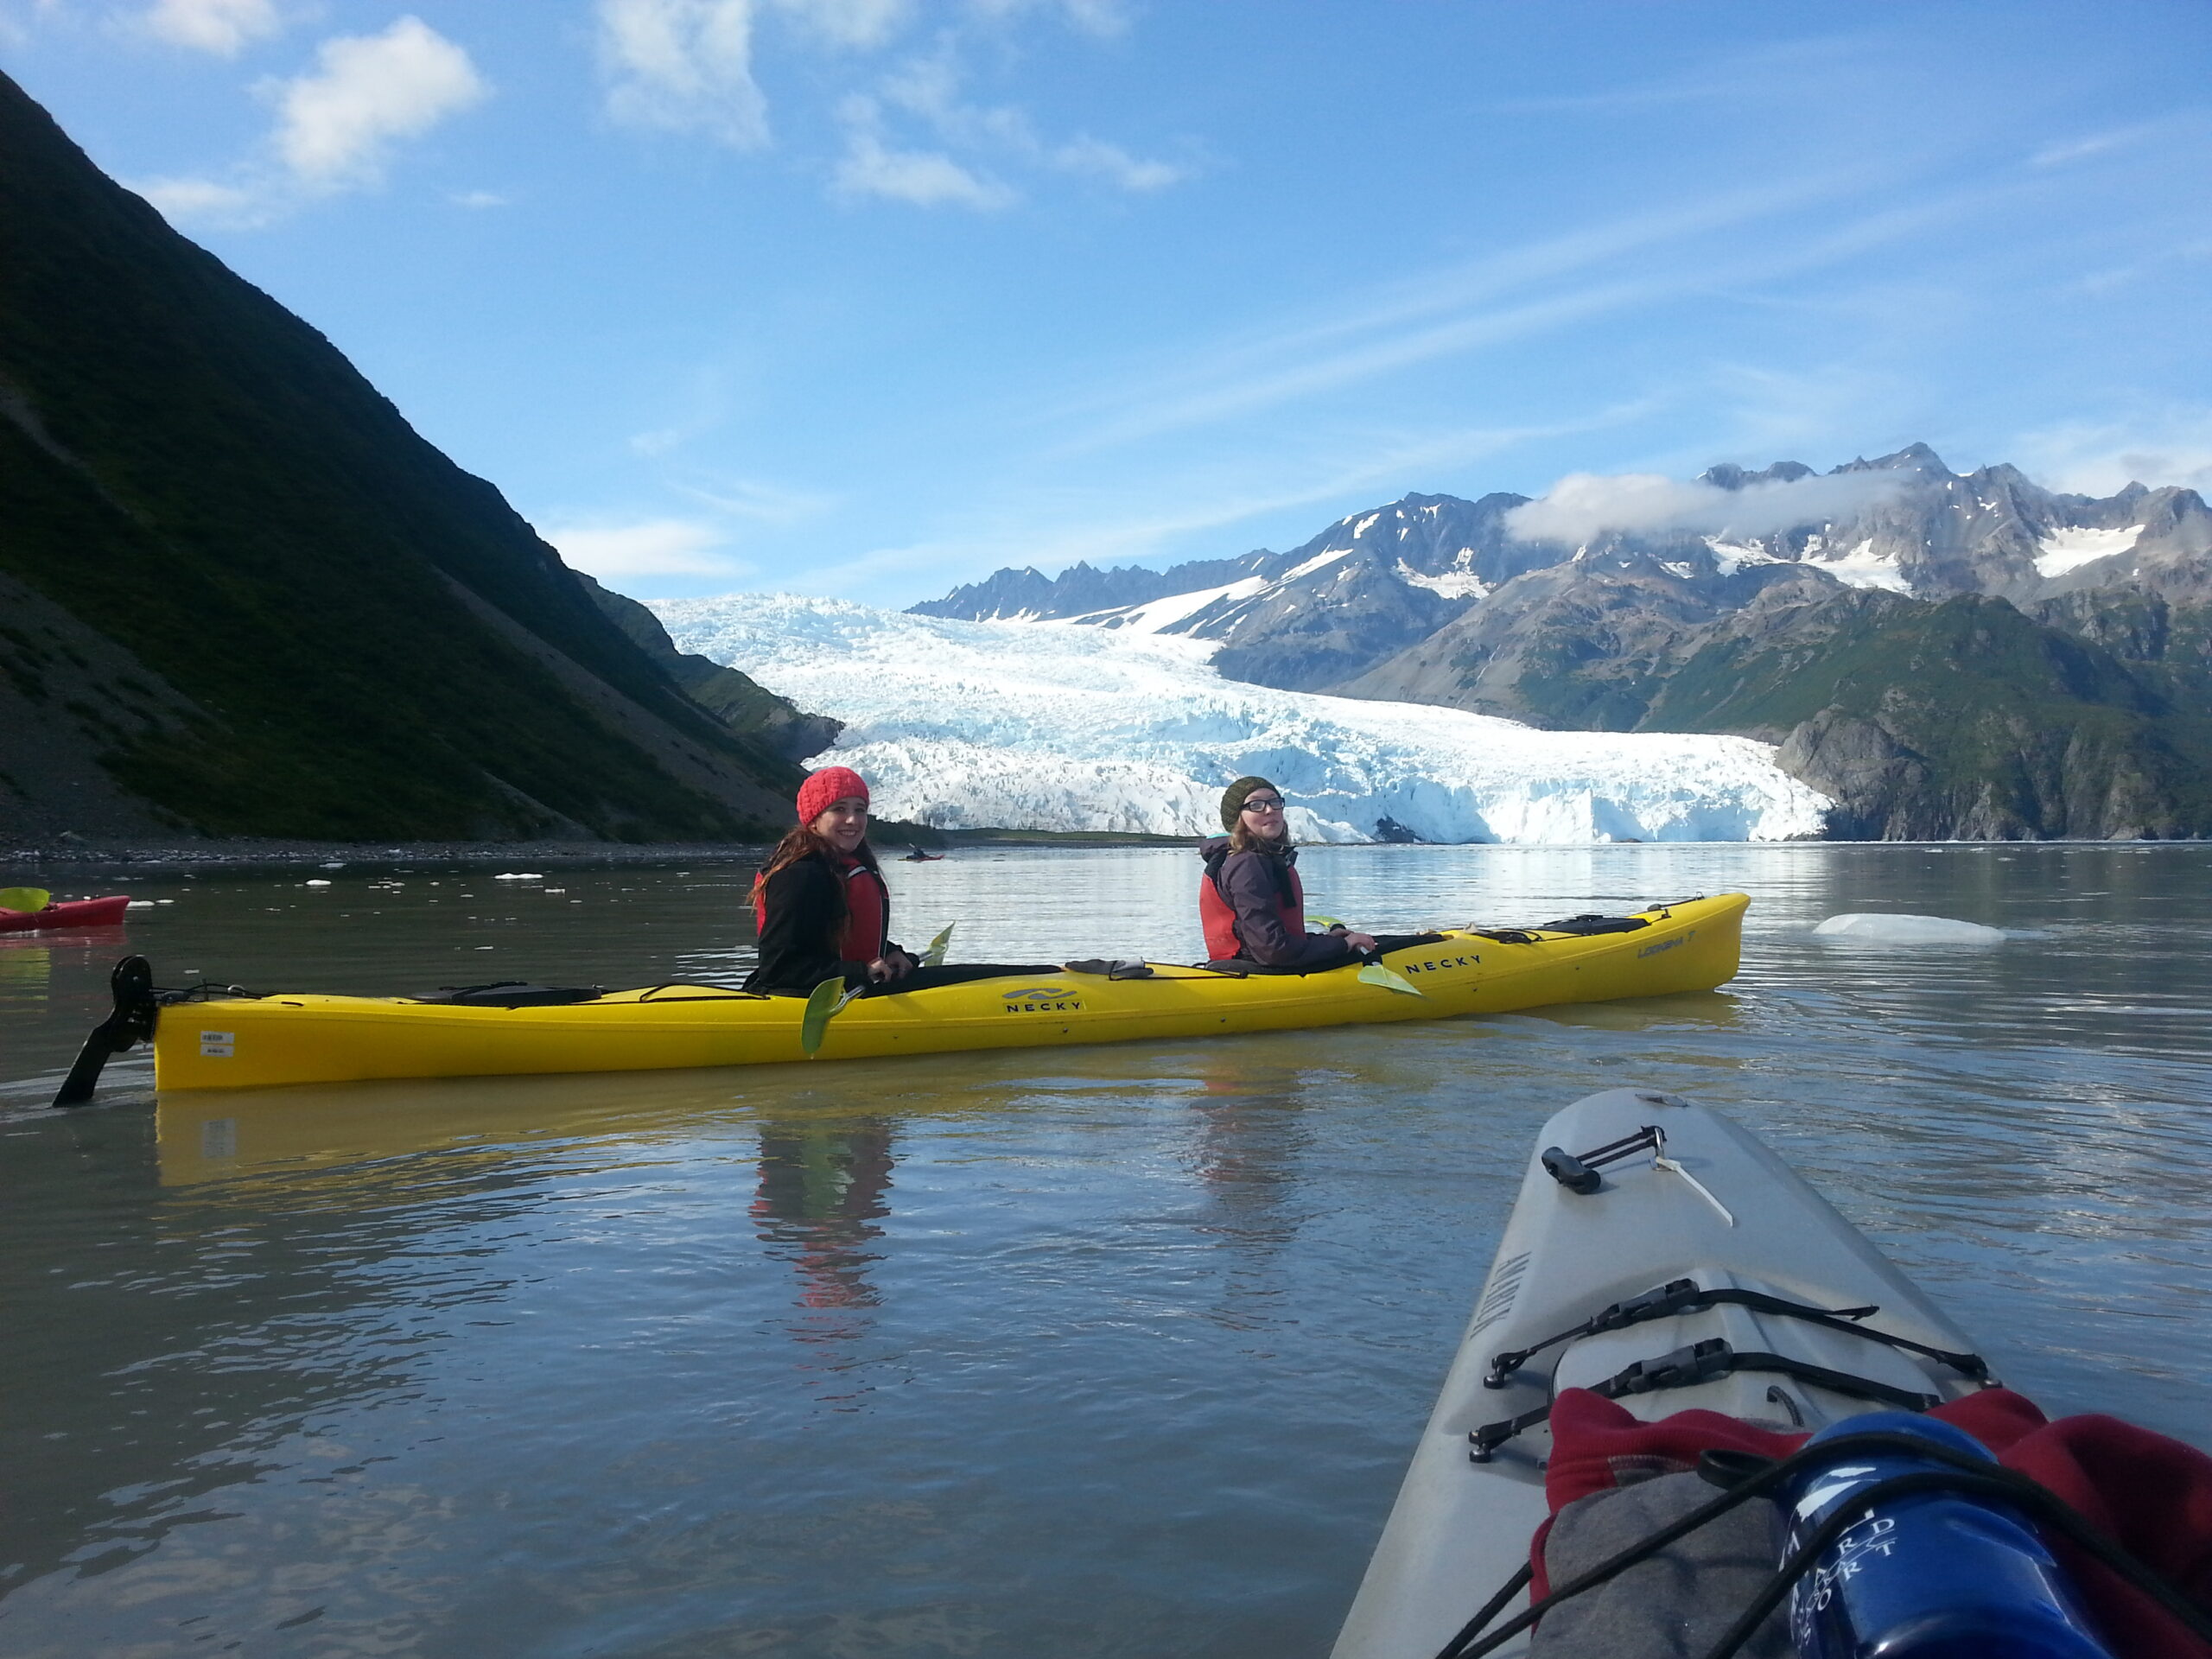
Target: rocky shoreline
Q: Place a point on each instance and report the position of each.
(84, 853)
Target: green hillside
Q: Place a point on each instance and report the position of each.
(235, 578)
(1967, 717)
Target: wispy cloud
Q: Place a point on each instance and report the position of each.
(927, 91)
(1053, 530)
(652, 547)
(2169, 444)
(1099, 18)
(1583, 506)
(2058, 154)
(222, 26)
(1517, 294)
(922, 178)
(858, 24)
(206, 201)
(1776, 73)
(762, 503)
(1116, 165)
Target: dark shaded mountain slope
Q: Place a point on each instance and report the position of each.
(259, 603)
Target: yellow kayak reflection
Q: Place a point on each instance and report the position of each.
(260, 1041)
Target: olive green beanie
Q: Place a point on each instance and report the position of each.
(1233, 798)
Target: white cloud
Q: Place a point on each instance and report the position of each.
(1585, 505)
(222, 26)
(686, 66)
(334, 126)
(654, 547)
(477, 199)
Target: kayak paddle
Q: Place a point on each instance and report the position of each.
(25, 899)
(824, 1004)
(1389, 979)
(934, 957)
(1324, 922)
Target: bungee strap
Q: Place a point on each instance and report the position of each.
(1966, 1473)
(1577, 1171)
(1687, 1296)
(1700, 1363)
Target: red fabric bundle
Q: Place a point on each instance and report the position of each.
(2150, 1495)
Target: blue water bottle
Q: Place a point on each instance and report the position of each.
(1929, 1575)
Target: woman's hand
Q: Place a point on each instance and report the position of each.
(892, 964)
(1362, 943)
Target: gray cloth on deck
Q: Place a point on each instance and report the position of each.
(1679, 1603)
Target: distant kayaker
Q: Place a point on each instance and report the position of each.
(823, 909)
(1252, 902)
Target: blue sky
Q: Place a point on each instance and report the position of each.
(869, 298)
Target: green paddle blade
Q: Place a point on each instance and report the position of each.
(24, 898)
(1389, 979)
(1325, 921)
(934, 957)
(821, 1005)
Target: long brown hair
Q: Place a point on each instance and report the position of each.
(801, 842)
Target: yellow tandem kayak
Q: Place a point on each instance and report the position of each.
(250, 1041)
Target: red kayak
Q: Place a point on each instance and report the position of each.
(67, 914)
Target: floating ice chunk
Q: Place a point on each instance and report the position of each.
(525, 875)
(1869, 928)
(317, 881)
(140, 904)
(335, 865)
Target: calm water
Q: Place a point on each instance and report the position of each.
(1110, 1351)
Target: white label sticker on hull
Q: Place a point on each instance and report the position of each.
(217, 1044)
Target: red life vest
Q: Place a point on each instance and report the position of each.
(1219, 920)
(868, 918)
(866, 933)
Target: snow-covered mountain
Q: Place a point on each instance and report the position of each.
(1436, 598)
(1057, 725)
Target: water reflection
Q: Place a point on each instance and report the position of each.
(822, 1192)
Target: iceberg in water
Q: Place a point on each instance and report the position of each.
(1054, 726)
(1873, 927)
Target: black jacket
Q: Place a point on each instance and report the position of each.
(799, 933)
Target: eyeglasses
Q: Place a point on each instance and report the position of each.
(1263, 804)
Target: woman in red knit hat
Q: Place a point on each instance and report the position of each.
(823, 912)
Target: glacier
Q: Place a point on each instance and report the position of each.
(1052, 725)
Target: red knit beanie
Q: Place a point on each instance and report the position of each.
(825, 789)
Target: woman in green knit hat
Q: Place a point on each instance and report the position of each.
(1253, 902)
